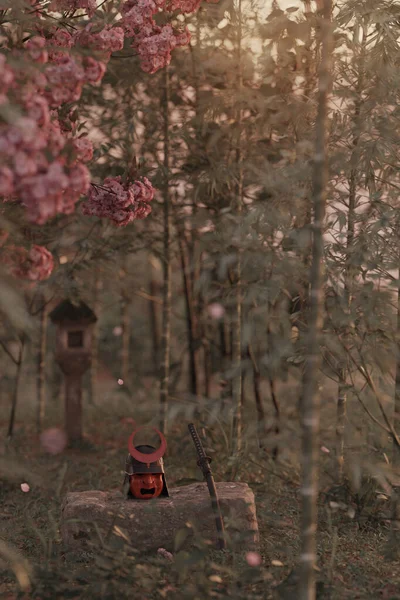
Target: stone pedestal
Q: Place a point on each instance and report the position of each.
(153, 524)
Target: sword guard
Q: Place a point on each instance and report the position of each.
(204, 464)
(203, 458)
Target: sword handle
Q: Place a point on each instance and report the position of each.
(204, 460)
(197, 442)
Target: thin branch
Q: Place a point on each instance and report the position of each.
(148, 297)
(43, 306)
(6, 350)
(365, 407)
(371, 384)
(364, 372)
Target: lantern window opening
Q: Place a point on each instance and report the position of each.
(75, 339)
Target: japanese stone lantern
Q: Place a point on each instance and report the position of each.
(73, 355)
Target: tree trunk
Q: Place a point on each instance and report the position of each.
(73, 407)
(167, 287)
(224, 343)
(126, 339)
(349, 270)
(276, 428)
(94, 366)
(274, 398)
(310, 405)
(341, 410)
(237, 315)
(396, 423)
(190, 319)
(155, 344)
(16, 388)
(393, 547)
(225, 336)
(41, 365)
(207, 364)
(261, 422)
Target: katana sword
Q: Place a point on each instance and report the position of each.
(204, 464)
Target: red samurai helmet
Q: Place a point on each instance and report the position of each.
(145, 469)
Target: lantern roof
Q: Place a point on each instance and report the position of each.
(78, 312)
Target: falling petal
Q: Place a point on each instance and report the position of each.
(253, 559)
(216, 310)
(165, 554)
(53, 440)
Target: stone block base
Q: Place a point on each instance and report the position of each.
(153, 524)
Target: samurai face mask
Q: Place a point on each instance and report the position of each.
(145, 470)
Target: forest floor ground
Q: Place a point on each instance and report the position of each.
(353, 559)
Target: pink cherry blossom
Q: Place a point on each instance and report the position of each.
(35, 264)
(143, 190)
(24, 164)
(6, 181)
(59, 43)
(62, 38)
(68, 5)
(23, 131)
(108, 40)
(94, 69)
(152, 42)
(42, 163)
(84, 149)
(65, 77)
(182, 38)
(38, 109)
(37, 49)
(42, 263)
(79, 179)
(119, 201)
(56, 140)
(111, 39)
(25, 487)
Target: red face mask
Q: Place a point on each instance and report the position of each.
(146, 486)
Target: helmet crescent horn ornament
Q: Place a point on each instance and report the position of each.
(147, 458)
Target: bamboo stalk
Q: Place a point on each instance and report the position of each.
(17, 382)
(237, 398)
(349, 274)
(310, 402)
(153, 316)
(126, 338)
(167, 286)
(94, 364)
(190, 318)
(396, 416)
(41, 366)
